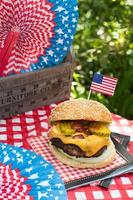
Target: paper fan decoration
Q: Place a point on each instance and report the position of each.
(26, 175)
(35, 34)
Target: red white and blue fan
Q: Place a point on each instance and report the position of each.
(26, 175)
(35, 34)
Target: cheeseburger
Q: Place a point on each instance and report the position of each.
(80, 136)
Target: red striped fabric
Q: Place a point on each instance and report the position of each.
(103, 84)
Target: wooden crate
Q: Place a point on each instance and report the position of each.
(24, 92)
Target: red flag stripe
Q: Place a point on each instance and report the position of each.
(109, 82)
(103, 91)
(110, 78)
(110, 85)
(103, 86)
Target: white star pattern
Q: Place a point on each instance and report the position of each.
(69, 31)
(20, 159)
(29, 169)
(29, 162)
(45, 59)
(57, 59)
(59, 31)
(14, 151)
(6, 158)
(65, 48)
(66, 36)
(50, 176)
(42, 178)
(74, 20)
(50, 52)
(60, 41)
(64, 19)
(44, 183)
(40, 195)
(66, 12)
(45, 165)
(60, 9)
(56, 198)
(33, 176)
(4, 153)
(75, 8)
(3, 146)
(18, 154)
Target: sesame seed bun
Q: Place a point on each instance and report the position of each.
(94, 162)
(81, 109)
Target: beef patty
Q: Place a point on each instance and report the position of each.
(74, 150)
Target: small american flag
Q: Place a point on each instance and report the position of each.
(103, 84)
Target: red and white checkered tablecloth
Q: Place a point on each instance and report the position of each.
(16, 130)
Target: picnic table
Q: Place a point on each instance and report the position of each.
(16, 130)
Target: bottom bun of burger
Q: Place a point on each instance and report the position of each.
(93, 162)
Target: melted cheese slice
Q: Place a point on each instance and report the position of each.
(91, 144)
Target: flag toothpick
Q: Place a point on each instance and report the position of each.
(89, 94)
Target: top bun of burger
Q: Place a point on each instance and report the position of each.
(79, 135)
(81, 109)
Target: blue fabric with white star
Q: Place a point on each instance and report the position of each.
(66, 23)
(45, 182)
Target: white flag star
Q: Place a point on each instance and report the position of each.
(20, 159)
(50, 176)
(50, 52)
(56, 198)
(66, 36)
(3, 146)
(6, 158)
(40, 195)
(75, 8)
(33, 176)
(74, 20)
(45, 59)
(44, 183)
(29, 169)
(59, 31)
(69, 31)
(59, 9)
(60, 41)
(64, 19)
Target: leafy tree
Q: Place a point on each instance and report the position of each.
(104, 43)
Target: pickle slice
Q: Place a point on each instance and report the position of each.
(66, 128)
(100, 129)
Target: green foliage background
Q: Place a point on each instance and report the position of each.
(104, 43)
